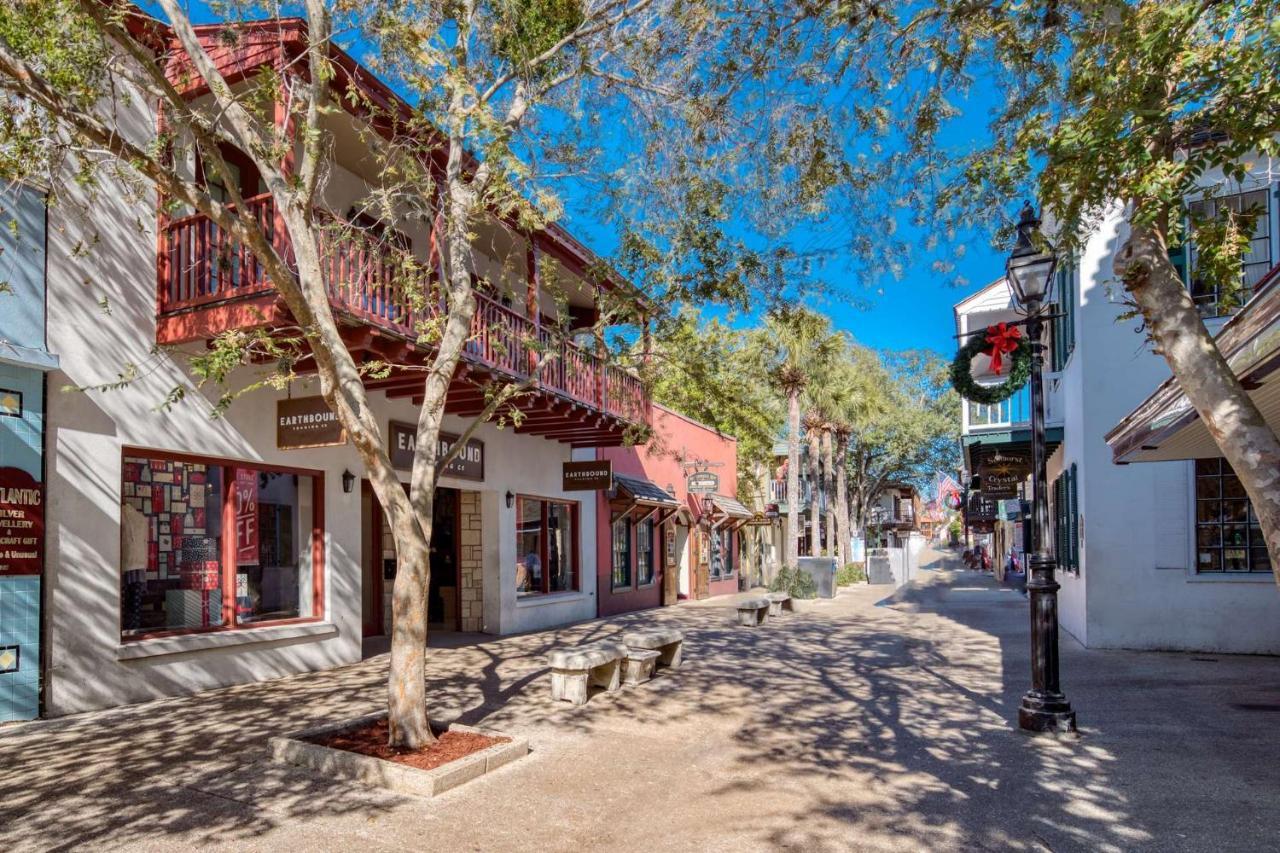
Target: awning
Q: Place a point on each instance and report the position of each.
(1165, 427)
(643, 492)
(631, 493)
(725, 511)
(35, 358)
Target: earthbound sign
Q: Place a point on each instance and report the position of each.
(307, 422)
(467, 465)
(703, 482)
(592, 475)
(21, 523)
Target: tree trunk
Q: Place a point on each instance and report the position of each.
(815, 492)
(1242, 434)
(842, 500)
(793, 478)
(828, 492)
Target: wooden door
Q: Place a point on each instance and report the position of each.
(702, 561)
(670, 565)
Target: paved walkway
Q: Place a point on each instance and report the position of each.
(871, 723)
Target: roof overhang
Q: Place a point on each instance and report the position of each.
(1165, 426)
(641, 492)
(725, 511)
(978, 445)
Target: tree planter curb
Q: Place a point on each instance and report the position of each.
(292, 748)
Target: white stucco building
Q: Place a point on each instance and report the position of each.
(185, 551)
(1153, 556)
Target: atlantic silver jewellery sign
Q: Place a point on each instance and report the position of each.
(1000, 474)
(307, 422)
(467, 465)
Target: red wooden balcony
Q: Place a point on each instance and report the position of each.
(209, 283)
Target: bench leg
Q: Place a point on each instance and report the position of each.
(671, 654)
(569, 685)
(747, 618)
(608, 676)
(775, 608)
(637, 671)
(762, 615)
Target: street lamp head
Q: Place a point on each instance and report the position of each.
(1030, 267)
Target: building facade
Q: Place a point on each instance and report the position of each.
(185, 551)
(658, 540)
(25, 363)
(1153, 556)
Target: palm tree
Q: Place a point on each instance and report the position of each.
(800, 346)
(813, 424)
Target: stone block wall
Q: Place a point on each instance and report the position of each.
(471, 558)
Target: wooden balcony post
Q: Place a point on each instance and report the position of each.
(532, 295)
(163, 237)
(646, 338)
(601, 372)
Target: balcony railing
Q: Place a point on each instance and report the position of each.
(201, 265)
(1015, 411)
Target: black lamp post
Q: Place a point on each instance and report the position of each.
(1030, 270)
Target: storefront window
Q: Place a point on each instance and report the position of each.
(644, 553)
(545, 545)
(622, 553)
(722, 553)
(205, 545)
(1228, 536)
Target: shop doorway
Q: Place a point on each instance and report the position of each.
(378, 559)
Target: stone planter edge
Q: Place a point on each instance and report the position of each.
(291, 748)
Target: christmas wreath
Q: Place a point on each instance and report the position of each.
(999, 341)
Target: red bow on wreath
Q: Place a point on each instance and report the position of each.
(1003, 339)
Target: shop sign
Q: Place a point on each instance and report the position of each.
(758, 519)
(467, 465)
(671, 547)
(307, 422)
(590, 476)
(1001, 473)
(703, 483)
(21, 523)
(245, 497)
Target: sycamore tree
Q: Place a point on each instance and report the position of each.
(903, 427)
(496, 100)
(1140, 109)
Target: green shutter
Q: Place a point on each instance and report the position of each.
(1178, 257)
(1074, 518)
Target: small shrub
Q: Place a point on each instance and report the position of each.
(794, 583)
(802, 586)
(851, 573)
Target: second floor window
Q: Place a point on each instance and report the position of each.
(1211, 300)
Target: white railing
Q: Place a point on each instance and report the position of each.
(1015, 411)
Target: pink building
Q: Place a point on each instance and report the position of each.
(657, 542)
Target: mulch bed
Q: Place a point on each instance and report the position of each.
(372, 740)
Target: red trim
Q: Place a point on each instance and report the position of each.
(228, 555)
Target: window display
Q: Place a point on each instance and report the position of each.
(205, 545)
(546, 551)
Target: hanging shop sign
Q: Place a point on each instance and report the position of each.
(467, 465)
(671, 547)
(703, 483)
(590, 476)
(1001, 473)
(758, 519)
(307, 422)
(21, 523)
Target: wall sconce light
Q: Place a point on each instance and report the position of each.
(348, 481)
(511, 500)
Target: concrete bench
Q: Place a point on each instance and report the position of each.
(778, 602)
(638, 665)
(574, 670)
(753, 611)
(668, 642)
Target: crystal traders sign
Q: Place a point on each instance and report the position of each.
(307, 422)
(21, 523)
(1000, 474)
(467, 465)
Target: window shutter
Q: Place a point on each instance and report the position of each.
(1074, 518)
